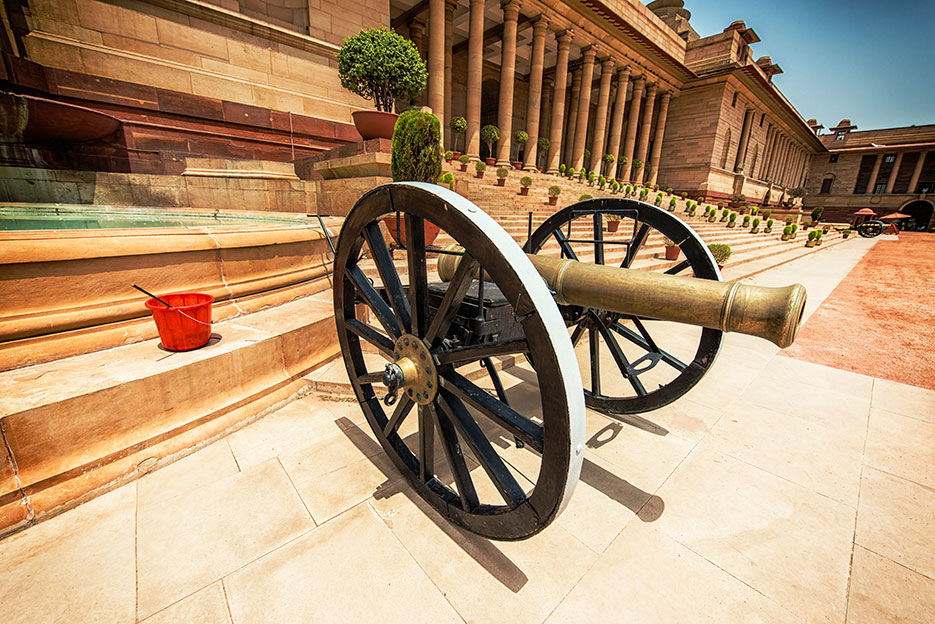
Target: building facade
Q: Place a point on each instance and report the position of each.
(889, 170)
(258, 79)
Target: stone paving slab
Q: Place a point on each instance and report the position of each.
(778, 490)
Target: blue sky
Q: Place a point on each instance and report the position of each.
(870, 61)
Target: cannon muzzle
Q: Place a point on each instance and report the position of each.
(766, 312)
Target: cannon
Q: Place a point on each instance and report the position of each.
(428, 326)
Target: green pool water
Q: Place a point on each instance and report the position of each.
(32, 217)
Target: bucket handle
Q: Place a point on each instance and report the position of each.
(165, 303)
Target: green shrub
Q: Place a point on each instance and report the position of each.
(608, 158)
(601, 180)
(582, 175)
(813, 235)
(788, 220)
(561, 168)
(543, 144)
(637, 163)
(587, 155)
(458, 125)
(520, 136)
(787, 231)
(623, 160)
(658, 200)
(447, 178)
(672, 202)
(756, 222)
(571, 173)
(503, 172)
(644, 193)
(382, 66)
(464, 159)
(555, 190)
(480, 165)
(449, 155)
(746, 220)
(490, 134)
(525, 181)
(795, 228)
(766, 213)
(416, 154)
(769, 223)
(669, 190)
(720, 251)
(725, 213)
(584, 196)
(817, 211)
(732, 217)
(647, 166)
(684, 195)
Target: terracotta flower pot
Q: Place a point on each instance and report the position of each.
(553, 199)
(501, 181)
(490, 161)
(431, 230)
(524, 190)
(478, 174)
(811, 243)
(456, 155)
(517, 165)
(672, 252)
(612, 226)
(463, 166)
(374, 124)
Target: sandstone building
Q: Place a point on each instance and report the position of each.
(257, 79)
(889, 170)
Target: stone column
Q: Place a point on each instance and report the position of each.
(417, 35)
(534, 101)
(584, 105)
(873, 173)
(741, 159)
(569, 146)
(780, 157)
(545, 114)
(632, 122)
(768, 156)
(600, 121)
(449, 41)
(437, 59)
(660, 133)
(475, 71)
(893, 172)
(763, 160)
(616, 121)
(916, 173)
(507, 77)
(647, 125)
(558, 100)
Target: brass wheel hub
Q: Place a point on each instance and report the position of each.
(415, 363)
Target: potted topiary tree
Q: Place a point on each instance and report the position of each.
(502, 173)
(812, 238)
(746, 221)
(846, 233)
(416, 156)
(524, 183)
(786, 233)
(658, 200)
(732, 220)
(725, 213)
(736, 201)
(449, 155)
(756, 225)
(382, 66)
(720, 252)
(519, 137)
(490, 134)
(561, 169)
(554, 191)
(613, 222)
(585, 197)
(672, 250)
(590, 178)
(448, 180)
(464, 160)
(769, 226)
(458, 127)
(479, 168)
(543, 144)
(712, 216)
(608, 161)
(601, 181)
(672, 203)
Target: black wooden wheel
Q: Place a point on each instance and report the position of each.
(630, 367)
(871, 229)
(471, 480)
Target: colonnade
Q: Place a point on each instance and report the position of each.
(784, 161)
(633, 137)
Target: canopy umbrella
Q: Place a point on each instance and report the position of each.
(895, 216)
(866, 211)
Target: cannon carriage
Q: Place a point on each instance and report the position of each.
(586, 325)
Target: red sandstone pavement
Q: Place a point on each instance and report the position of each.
(878, 321)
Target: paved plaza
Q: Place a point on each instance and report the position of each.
(778, 490)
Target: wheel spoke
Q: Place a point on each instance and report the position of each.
(526, 430)
(455, 456)
(462, 355)
(598, 238)
(370, 378)
(448, 308)
(567, 251)
(640, 341)
(495, 379)
(513, 495)
(373, 299)
(636, 243)
(426, 443)
(371, 335)
(622, 363)
(399, 415)
(576, 335)
(418, 279)
(678, 268)
(387, 270)
(594, 348)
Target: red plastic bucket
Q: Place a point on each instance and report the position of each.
(187, 324)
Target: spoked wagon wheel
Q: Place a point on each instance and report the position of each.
(871, 229)
(629, 361)
(457, 457)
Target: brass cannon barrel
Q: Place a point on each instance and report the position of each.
(766, 312)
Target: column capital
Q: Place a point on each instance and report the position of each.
(665, 96)
(418, 22)
(564, 38)
(451, 5)
(640, 80)
(589, 50)
(540, 23)
(623, 72)
(510, 9)
(651, 89)
(607, 65)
